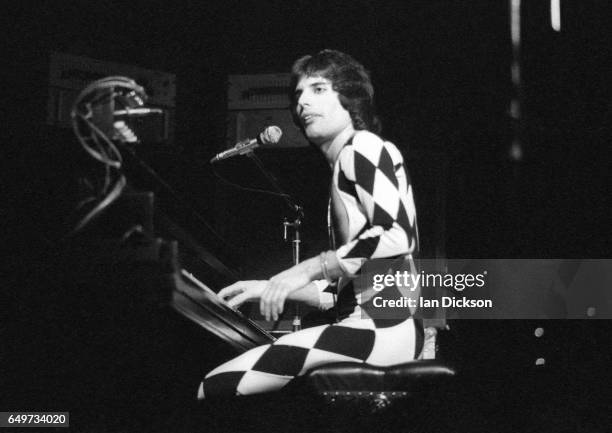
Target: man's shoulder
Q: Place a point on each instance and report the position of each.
(371, 146)
(366, 138)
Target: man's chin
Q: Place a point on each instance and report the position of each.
(313, 136)
(317, 141)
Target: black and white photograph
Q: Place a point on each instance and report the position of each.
(307, 216)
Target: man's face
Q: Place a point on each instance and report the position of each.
(319, 109)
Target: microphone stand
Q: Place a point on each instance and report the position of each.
(295, 225)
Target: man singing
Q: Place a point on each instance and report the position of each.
(373, 216)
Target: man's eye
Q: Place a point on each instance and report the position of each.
(319, 89)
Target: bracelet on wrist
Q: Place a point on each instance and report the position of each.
(324, 268)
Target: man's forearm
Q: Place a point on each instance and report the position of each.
(309, 295)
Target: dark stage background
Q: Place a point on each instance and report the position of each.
(441, 70)
(442, 75)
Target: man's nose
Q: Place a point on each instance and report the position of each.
(303, 100)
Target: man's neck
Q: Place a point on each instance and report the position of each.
(332, 148)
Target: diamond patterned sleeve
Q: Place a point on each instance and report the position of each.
(376, 178)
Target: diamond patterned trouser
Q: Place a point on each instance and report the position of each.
(271, 366)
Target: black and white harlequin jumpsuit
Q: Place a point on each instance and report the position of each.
(374, 217)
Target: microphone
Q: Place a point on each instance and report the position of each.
(270, 135)
(137, 112)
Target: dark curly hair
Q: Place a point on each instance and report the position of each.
(348, 77)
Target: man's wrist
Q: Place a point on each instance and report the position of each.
(311, 269)
(330, 267)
